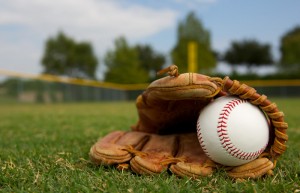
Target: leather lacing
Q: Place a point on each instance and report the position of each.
(167, 161)
(246, 92)
(276, 117)
(133, 151)
(172, 70)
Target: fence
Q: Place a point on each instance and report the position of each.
(49, 88)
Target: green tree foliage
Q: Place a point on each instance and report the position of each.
(191, 29)
(123, 64)
(64, 56)
(150, 60)
(290, 48)
(249, 53)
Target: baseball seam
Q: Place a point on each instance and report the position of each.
(224, 137)
(200, 139)
(223, 134)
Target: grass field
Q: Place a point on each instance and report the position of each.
(44, 148)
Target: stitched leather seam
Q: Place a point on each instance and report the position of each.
(225, 138)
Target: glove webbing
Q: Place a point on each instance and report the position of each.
(276, 117)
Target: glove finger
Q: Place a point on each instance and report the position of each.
(194, 161)
(156, 151)
(111, 149)
(190, 170)
(253, 169)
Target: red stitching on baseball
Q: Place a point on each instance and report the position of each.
(201, 139)
(223, 133)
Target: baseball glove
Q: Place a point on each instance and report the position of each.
(165, 136)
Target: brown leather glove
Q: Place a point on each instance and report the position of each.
(165, 135)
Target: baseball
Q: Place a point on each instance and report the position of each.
(232, 131)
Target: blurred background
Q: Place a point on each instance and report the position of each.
(96, 50)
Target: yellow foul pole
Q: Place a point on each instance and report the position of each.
(192, 57)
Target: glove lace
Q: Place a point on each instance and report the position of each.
(275, 116)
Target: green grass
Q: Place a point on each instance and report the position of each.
(44, 148)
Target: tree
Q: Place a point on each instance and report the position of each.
(249, 53)
(290, 48)
(150, 60)
(123, 64)
(191, 29)
(85, 63)
(64, 56)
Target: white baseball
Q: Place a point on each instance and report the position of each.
(232, 131)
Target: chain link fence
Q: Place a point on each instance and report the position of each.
(50, 92)
(52, 89)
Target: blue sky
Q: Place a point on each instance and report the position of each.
(230, 20)
(25, 25)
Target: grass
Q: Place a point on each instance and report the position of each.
(44, 148)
